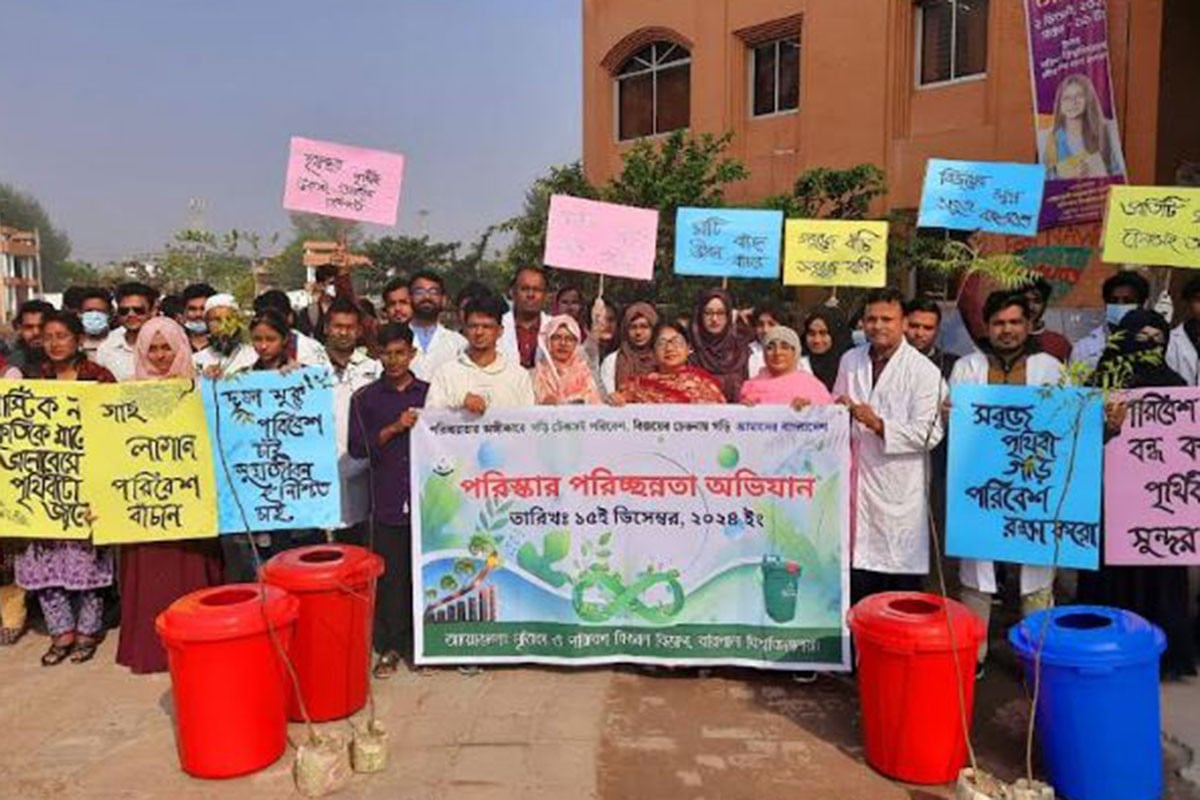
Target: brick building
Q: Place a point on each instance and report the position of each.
(20, 270)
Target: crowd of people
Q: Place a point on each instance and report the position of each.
(529, 346)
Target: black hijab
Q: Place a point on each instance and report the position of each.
(1128, 363)
(825, 365)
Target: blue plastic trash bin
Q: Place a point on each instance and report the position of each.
(1098, 712)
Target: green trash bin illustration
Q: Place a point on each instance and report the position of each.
(780, 582)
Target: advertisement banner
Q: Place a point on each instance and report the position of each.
(677, 535)
(1077, 137)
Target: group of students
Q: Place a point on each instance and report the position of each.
(487, 351)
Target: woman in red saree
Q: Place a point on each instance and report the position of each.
(673, 379)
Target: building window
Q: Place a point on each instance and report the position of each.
(654, 91)
(775, 76)
(951, 40)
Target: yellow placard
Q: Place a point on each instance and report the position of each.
(826, 252)
(42, 460)
(151, 472)
(1155, 225)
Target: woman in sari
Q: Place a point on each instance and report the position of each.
(673, 380)
(562, 375)
(156, 574)
(826, 340)
(67, 575)
(635, 353)
(721, 349)
(781, 380)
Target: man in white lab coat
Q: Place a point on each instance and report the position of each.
(1183, 348)
(1122, 293)
(435, 345)
(521, 341)
(1009, 357)
(894, 395)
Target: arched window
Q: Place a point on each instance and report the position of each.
(654, 91)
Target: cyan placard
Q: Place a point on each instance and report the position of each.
(274, 450)
(728, 242)
(1014, 452)
(992, 196)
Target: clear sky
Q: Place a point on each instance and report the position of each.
(115, 113)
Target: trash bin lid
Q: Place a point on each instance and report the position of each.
(321, 567)
(1088, 636)
(227, 612)
(915, 622)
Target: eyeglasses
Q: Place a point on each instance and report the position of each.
(124, 311)
(670, 341)
(563, 338)
(433, 292)
(717, 314)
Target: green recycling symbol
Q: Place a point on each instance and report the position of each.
(627, 598)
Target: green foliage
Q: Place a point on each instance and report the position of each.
(403, 255)
(226, 261)
(1005, 270)
(22, 210)
(555, 546)
(286, 269)
(529, 227)
(824, 193)
(440, 504)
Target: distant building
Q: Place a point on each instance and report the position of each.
(319, 253)
(20, 269)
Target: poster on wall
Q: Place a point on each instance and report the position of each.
(1078, 142)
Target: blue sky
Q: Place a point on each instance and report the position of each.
(115, 113)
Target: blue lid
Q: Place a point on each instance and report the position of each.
(1088, 636)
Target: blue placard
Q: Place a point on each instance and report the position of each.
(728, 242)
(1011, 450)
(274, 450)
(991, 196)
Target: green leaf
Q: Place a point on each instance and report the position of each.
(605, 538)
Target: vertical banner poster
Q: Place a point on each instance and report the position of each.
(825, 252)
(274, 451)
(1024, 475)
(601, 238)
(1078, 142)
(42, 452)
(1152, 480)
(661, 534)
(987, 196)
(1157, 225)
(728, 242)
(341, 181)
(150, 477)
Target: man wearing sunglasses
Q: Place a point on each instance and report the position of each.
(135, 305)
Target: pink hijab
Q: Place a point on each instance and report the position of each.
(181, 365)
(571, 382)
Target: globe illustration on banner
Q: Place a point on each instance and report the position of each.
(728, 456)
(490, 455)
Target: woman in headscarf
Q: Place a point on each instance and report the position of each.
(826, 339)
(1136, 359)
(569, 301)
(67, 575)
(673, 380)
(781, 380)
(635, 353)
(156, 574)
(721, 348)
(562, 375)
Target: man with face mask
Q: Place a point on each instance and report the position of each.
(435, 345)
(194, 298)
(1122, 293)
(95, 312)
(27, 354)
(227, 352)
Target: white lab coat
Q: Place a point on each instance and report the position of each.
(361, 371)
(508, 338)
(444, 347)
(1041, 369)
(891, 515)
(1182, 356)
(1089, 349)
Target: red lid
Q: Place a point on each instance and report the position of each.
(321, 567)
(914, 622)
(227, 612)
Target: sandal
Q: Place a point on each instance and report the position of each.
(57, 653)
(85, 650)
(10, 636)
(387, 666)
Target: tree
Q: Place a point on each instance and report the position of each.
(22, 210)
(825, 193)
(287, 268)
(403, 255)
(227, 261)
(529, 227)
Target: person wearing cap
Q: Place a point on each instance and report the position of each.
(781, 381)
(226, 353)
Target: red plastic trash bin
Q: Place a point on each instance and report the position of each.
(332, 648)
(229, 684)
(907, 686)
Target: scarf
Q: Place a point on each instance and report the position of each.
(689, 385)
(1147, 360)
(555, 383)
(176, 337)
(825, 365)
(633, 361)
(726, 354)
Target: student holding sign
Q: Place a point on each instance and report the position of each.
(1183, 349)
(1007, 357)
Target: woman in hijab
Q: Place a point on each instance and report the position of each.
(674, 379)
(826, 340)
(635, 353)
(562, 375)
(721, 349)
(1136, 359)
(156, 574)
(781, 380)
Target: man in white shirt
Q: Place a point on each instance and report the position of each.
(228, 353)
(435, 344)
(135, 305)
(1183, 348)
(894, 395)
(481, 377)
(1122, 293)
(95, 313)
(521, 341)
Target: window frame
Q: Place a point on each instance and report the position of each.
(919, 30)
(751, 51)
(653, 71)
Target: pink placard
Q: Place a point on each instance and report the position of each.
(1152, 480)
(601, 238)
(337, 180)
